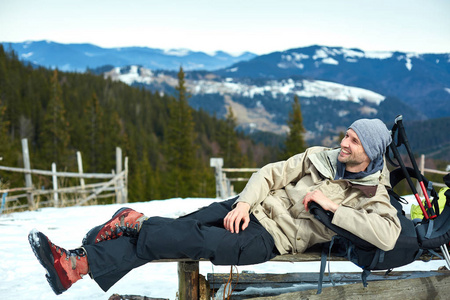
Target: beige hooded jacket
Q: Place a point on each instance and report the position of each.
(275, 194)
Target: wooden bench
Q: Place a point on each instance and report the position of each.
(191, 285)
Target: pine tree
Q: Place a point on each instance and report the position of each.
(55, 136)
(94, 132)
(6, 151)
(180, 146)
(228, 141)
(294, 143)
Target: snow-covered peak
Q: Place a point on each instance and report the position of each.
(334, 55)
(177, 52)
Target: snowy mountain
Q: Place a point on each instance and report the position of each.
(78, 57)
(416, 79)
(264, 104)
(260, 89)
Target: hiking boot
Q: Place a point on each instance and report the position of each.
(64, 268)
(125, 221)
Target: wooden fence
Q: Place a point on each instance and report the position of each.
(224, 187)
(115, 185)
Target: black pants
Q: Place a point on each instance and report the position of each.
(197, 235)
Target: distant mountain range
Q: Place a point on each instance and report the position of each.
(421, 81)
(78, 57)
(335, 85)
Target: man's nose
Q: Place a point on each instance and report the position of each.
(344, 142)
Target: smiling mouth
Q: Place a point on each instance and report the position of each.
(344, 152)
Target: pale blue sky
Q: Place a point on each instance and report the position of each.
(234, 26)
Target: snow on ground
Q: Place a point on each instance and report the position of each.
(22, 277)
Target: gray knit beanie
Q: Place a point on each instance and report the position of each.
(374, 136)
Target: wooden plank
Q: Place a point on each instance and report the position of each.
(307, 280)
(61, 174)
(434, 287)
(133, 297)
(308, 256)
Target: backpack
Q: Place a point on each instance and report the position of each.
(415, 239)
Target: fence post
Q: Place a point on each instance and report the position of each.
(217, 164)
(80, 171)
(119, 192)
(27, 166)
(125, 176)
(55, 185)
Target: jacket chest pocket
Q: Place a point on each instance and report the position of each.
(335, 191)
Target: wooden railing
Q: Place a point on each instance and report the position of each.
(424, 170)
(116, 184)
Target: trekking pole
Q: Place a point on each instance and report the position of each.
(408, 178)
(402, 139)
(402, 133)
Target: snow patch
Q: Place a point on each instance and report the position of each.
(27, 55)
(292, 59)
(408, 63)
(135, 74)
(378, 54)
(352, 53)
(330, 61)
(177, 52)
(321, 53)
(336, 91)
(299, 56)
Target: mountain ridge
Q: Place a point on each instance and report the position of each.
(79, 57)
(416, 79)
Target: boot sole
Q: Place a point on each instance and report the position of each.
(43, 253)
(89, 238)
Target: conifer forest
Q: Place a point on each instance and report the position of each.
(168, 144)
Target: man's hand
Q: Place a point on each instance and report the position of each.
(234, 218)
(321, 199)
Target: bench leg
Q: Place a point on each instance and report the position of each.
(188, 280)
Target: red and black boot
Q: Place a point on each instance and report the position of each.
(125, 221)
(63, 267)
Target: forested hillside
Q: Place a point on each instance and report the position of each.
(61, 113)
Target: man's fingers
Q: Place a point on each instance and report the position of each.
(233, 219)
(305, 201)
(237, 221)
(246, 222)
(226, 222)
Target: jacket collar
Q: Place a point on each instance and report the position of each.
(326, 163)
